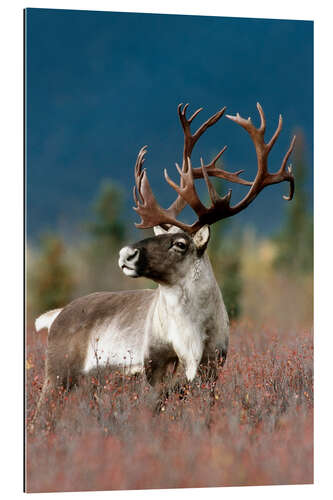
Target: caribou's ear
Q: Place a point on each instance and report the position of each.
(201, 238)
(159, 230)
(172, 229)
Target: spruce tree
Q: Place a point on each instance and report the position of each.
(53, 281)
(108, 229)
(295, 239)
(225, 254)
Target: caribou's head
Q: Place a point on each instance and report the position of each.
(177, 246)
(166, 258)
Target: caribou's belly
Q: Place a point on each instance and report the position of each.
(114, 347)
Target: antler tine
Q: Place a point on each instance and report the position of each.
(243, 122)
(262, 127)
(214, 171)
(286, 156)
(208, 123)
(214, 196)
(182, 113)
(289, 173)
(291, 185)
(217, 157)
(275, 135)
(189, 138)
(138, 173)
(186, 189)
(194, 115)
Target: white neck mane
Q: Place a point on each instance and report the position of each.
(186, 313)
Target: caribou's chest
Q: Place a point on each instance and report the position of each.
(177, 333)
(185, 321)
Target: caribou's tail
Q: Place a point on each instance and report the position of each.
(46, 319)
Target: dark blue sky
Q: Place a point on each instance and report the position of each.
(101, 84)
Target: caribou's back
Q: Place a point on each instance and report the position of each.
(103, 328)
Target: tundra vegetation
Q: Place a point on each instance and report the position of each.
(259, 429)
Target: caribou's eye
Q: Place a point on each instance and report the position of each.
(181, 245)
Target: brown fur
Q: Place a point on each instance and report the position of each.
(69, 334)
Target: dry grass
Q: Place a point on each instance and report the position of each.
(270, 296)
(259, 431)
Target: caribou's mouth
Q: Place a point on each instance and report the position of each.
(129, 271)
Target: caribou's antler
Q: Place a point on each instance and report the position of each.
(263, 177)
(146, 205)
(152, 214)
(189, 138)
(189, 142)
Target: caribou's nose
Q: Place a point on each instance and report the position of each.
(128, 256)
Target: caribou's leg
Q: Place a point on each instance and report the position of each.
(209, 372)
(159, 377)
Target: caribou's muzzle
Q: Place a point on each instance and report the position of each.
(128, 258)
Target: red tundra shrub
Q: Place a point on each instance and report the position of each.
(256, 430)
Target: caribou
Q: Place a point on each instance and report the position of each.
(183, 323)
